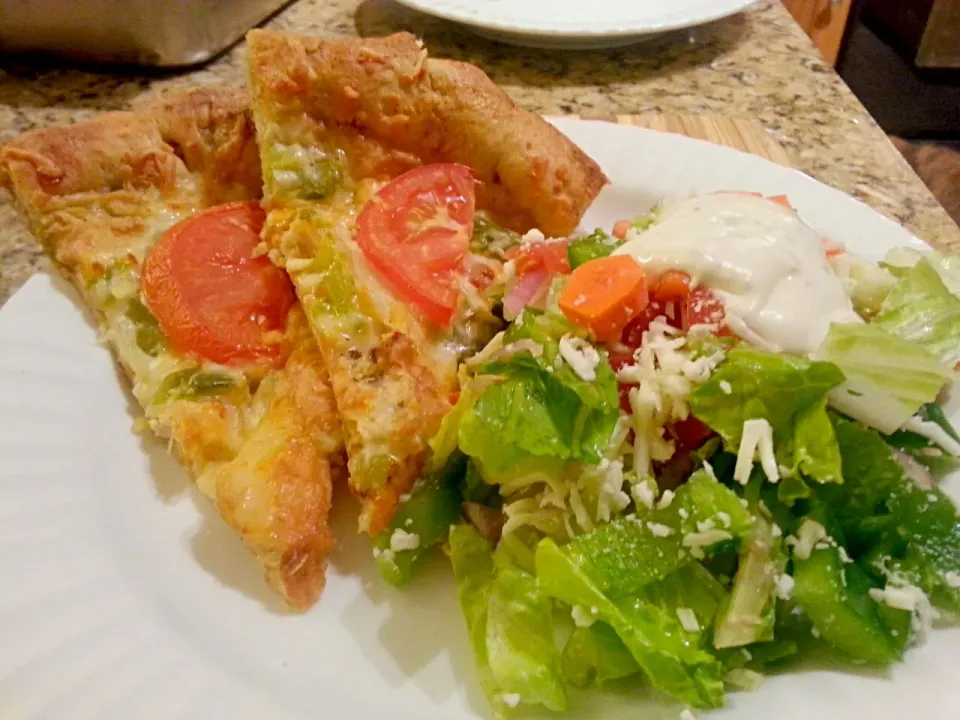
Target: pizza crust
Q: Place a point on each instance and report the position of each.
(403, 108)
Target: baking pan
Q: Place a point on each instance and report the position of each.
(161, 33)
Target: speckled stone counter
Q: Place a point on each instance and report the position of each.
(758, 65)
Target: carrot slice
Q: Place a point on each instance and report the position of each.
(603, 295)
(781, 200)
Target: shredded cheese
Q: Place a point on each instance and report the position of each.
(688, 619)
(665, 373)
(809, 535)
(582, 357)
(402, 540)
(757, 437)
(934, 433)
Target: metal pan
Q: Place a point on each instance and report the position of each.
(161, 33)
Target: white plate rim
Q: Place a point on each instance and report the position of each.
(560, 31)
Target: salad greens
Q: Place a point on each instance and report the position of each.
(684, 510)
(787, 392)
(922, 310)
(888, 378)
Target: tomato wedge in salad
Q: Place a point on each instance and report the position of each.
(211, 297)
(551, 256)
(416, 232)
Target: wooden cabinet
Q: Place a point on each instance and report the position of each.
(825, 21)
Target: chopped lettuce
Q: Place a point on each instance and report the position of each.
(672, 658)
(815, 452)
(590, 247)
(899, 260)
(748, 617)
(924, 450)
(532, 415)
(877, 499)
(596, 655)
(888, 378)
(922, 310)
(540, 409)
(473, 568)
(785, 391)
(509, 624)
(690, 587)
(444, 443)
(520, 640)
(630, 552)
(868, 283)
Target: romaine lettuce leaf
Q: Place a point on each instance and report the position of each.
(473, 569)
(546, 330)
(595, 655)
(922, 310)
(532, 415)
(877, 497)
(815, 451)
(691, 587)
(900, 260)
(786, 391)
(624, 555)
(922, 449)
(749, 614)
(869, 282)
(444, 443)
(670, 657)
(520, 640)
(510, 626)
(541, 409)
(888, 378)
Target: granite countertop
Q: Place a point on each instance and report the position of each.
(758, 65)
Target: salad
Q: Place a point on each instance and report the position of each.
(700, 447)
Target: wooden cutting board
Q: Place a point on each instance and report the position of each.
(745, 135)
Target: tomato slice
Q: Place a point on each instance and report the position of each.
(416, 231)
(688, 434)
(211, 297)
(702, 307)
(551, 256)
(617, 361)
(621, 228)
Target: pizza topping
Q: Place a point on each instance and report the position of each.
(211, 297)
(192, 383)
(305, 172)
(149, 336)
(491, 240)
(416, 231)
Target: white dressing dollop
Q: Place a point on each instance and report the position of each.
(759, 258)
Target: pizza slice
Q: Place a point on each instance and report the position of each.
(386, 174)
(154, 217)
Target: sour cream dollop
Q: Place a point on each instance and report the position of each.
(759, 258)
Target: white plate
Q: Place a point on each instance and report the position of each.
(577, 24)
(123, 596)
